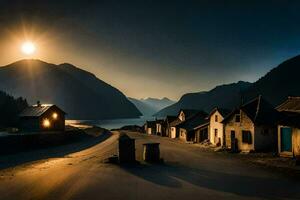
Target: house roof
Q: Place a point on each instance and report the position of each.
(224, 112)
(188, 112)
(292, 104)
(36, 110)
(151, 123)
(291, 120)
(160, 121)
(258, 110)
(170, 119)
(196, 120)
(176, 122)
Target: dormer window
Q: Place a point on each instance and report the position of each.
(238, 118)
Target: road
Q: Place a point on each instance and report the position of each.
(188, 173)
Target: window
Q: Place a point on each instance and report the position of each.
(246, 137)
(238, 118)
(216, 118)
(216, 132)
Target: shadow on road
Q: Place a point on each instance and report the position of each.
(172, 175)
(12, 160)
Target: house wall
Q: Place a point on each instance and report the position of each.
(245, 124)
(56, 124)
(158, 129)
(173, 132)
(149, 130)
(182, 134)
(218, 126)
(295, 142)
(265, 138)
(181, 116)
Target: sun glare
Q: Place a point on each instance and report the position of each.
(28, 48)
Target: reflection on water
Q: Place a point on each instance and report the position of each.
(111, 124)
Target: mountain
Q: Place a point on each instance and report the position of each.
(278, 84)
(80, 93)
(10, 107)
(224, 96)
(150, 106)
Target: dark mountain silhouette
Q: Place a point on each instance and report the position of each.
(10, 108)
(275, 87)
(278, 84)
(80, 93)
(150, 106)
(224, 96)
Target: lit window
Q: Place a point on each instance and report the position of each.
(54, 115)
(46, 123)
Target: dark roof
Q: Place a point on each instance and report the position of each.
(224, 112)
(188, 112)
(259, 111)
(176, 122)
(36, 110)
(160, 121)
(292, 104)
(170, 119)
(196, 120)
(151, 123)
(291, 120)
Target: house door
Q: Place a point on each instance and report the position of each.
(232, 139)
(286, 139)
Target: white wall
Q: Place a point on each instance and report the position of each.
(216, 125)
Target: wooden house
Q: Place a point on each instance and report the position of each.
(42, 117)
(160, 127)
(289, 128)
(150, 127)
(168, 121)
(183, 115)
(216, 128)
(252, 127)
(187, 128)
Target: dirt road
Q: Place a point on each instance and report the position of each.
(188, 173)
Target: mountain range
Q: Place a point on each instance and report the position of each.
(150, 106)
(281, 82)
(79, 93)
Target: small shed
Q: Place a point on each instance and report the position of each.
(126, 149)
(42, 117)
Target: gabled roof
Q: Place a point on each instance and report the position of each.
(36, 110)
(188, 112)
(292, 104)
(194, 121)
(224, 112)
(170, 119)
(258, 110)
(176, 122)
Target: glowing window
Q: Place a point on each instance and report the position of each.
(46, 123)
(54, 115)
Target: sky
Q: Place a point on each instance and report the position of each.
(155, 48)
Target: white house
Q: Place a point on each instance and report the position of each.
(216, 128)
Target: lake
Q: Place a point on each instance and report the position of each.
(114, 123)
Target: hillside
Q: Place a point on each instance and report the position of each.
(150, 106)
(279, 83)
(81, 94)
(10, 108)
(225, 96)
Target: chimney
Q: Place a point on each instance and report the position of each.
(38, 103)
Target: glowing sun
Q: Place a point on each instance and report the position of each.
(28, 48)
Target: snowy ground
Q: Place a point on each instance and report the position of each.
(189, 172)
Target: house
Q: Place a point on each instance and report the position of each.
(150, 127)
(289, 128)
(42, 117)
(168, 121)
(160, 127)
(187, 128)
(202, 131)
(252, 127)
(181, 117)
(216, 128)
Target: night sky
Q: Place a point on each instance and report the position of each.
(156, 48)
